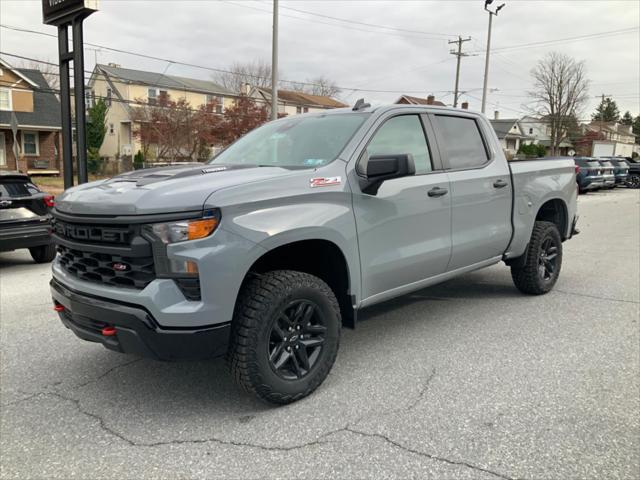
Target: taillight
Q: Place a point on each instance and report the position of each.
(577, 169)
(49, 200)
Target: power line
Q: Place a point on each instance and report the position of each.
(369, 24)
(569, 39)
(415, 34)
(177, 62)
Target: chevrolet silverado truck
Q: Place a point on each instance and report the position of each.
(264, 253)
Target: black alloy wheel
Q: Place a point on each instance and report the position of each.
(296, 340)
(547, 259)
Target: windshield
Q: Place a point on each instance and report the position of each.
(299, 142)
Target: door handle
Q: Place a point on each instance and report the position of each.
(437, 192)
(500, 183)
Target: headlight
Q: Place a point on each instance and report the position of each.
(183, 230)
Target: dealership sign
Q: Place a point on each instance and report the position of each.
(57, 12)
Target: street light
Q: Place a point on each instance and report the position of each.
(486, 62)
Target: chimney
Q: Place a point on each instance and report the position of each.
(430, 99)
(496, 115)
(114, 65)
(246, 88)
(465, 105)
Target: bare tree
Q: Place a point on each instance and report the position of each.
(49, 72)
(560, 92)
(321, 86)
(256, 73)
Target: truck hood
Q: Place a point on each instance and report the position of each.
(160, 190)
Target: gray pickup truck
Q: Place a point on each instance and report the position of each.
(266, 251)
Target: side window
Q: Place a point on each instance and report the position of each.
(398, 135)
(462, 141)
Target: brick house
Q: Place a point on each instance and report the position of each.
(25, 94)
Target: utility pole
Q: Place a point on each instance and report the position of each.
(274, 64)
(486, 61)
(458, 53)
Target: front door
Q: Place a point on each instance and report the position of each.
(404, 232)
(480, 191)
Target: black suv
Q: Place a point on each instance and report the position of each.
(24, 217)
(633, 178)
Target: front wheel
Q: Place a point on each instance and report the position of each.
(633, 181)
(285, 335)
(43, 253)
(544, 258)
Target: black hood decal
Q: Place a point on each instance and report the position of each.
(152, 175)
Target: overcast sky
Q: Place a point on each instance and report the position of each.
(411, 55)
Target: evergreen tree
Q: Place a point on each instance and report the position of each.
(627, 118)
(607, 111)
(96, 130)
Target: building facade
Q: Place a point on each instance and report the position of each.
(124, 89)
(293, 103)
(30, 106)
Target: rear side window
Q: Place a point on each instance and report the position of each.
(13, 189)
(462, 141)
(399, 135)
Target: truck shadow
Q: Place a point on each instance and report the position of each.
(192, 391)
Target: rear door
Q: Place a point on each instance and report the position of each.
(481, 190)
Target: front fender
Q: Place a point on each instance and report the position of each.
(279, 225)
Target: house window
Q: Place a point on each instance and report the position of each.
(30, 143)
(306, 109)
(109, 95)
(5, 99)
(298, 109)
(531, 131)
(217, 102)
(152, 94)
(111, 129)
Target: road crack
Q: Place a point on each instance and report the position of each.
(427, 455)
(112, 369)
(597, 297)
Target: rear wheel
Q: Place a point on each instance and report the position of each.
(43, 253)
(544, 259)
(285, 335)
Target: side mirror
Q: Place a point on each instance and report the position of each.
(385, 167)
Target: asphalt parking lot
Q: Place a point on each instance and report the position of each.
(469, 379)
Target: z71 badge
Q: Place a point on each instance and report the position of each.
(324, 181)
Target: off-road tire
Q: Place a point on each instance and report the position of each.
(527, 278)
(260, 301)
(43, 253)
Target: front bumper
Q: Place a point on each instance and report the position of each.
(136, 331)
(26, 236)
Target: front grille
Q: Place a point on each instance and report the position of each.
(116, 255)
(108, 269)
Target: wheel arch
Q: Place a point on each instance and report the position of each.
(320, 257)
(555, 210)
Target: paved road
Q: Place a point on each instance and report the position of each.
(469, 379)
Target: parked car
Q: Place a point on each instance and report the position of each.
(283, 237)
(633, 178)
(25, 221)
(608, 175)
(589, 174)
(620, 169)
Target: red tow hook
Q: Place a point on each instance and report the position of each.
(109, 331)
(58, 308)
